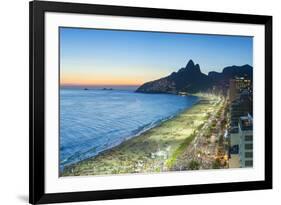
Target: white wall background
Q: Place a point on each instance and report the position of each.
(14, 100)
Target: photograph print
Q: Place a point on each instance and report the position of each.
(135, 102)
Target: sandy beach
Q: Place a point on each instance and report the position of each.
(155, 150)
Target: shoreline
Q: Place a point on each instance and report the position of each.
(150, 150)
(138, 131)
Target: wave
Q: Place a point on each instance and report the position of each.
(141, 129)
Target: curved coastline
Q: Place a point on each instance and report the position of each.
(149, 149)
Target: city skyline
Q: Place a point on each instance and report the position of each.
(131, 58)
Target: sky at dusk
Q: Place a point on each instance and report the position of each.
(108, 57)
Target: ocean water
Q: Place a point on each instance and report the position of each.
(95, 120)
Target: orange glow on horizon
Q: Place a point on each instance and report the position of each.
(89, 80)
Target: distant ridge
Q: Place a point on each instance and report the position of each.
(190, 79)
(231, 72)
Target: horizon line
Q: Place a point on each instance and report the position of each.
(99, 85)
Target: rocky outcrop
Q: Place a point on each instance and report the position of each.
(187, 79)
(190, 79)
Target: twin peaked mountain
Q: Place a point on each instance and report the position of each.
(190, 79)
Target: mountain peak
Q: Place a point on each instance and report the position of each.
(191, 67)
(197, 67)
(190, 79)
(190, 64)
(187, 79)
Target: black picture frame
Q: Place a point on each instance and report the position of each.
(37, 10)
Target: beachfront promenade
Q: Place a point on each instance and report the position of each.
(191, 140)
(209, 149)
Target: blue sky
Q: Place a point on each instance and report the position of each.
(103, 57)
